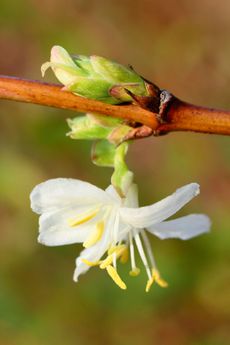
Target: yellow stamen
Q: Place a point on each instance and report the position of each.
(155, 278)
(124, 255)
(83, 217)
(115, 276)
(106, 262)
(134, 272)
(111, 250)
(149, 284)
(90, 263)
(120, 250)
(95, 236)
(117, 250)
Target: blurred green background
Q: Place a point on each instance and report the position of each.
(180, 45)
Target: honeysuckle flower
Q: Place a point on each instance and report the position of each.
(110, 227)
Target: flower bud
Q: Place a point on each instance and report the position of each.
(83, 128)
(95, 77)
(62, 65)
(93, 127)
(102, 153)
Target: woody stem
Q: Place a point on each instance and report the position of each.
(177, 116)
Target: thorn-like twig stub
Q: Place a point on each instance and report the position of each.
(165, 99)
(157, 102)
(150, 102)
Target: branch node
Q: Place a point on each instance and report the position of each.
(165, 99)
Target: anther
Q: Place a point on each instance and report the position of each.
(95, 236)
(115, 276)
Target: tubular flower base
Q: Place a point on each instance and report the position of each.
(111, 228)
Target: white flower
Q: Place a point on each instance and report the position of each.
(73, 211)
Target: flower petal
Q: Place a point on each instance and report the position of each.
(69, 217)
(63, 65)
(63, 234)
(131, 199)
(61, 193)
(111, 191)
(183, 228)
(92, 254)
(132, 196)
(66, 226)
(146, 216)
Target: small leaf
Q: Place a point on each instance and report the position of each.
(119, 92)
(114, 72)
(103, 153)
(91, 88)
(84, 63)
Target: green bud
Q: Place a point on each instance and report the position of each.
(95, 77)
(84, 63)
(105, 121)
(114, 72)
(91, 127)
(83, 128)
(62, 65)
(92, 88)
(103, 153)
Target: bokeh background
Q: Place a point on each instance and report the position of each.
(182, 46)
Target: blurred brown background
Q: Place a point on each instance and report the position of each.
(180, 45)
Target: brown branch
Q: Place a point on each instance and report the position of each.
(182, 116)
(52, 95)
(177, 115)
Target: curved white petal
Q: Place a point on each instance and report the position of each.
(132, 196)
(61, 56)
(55, 228)
(61, 193)
(63, 234)
(131, 199)
(66, 217)
(111, 191)
(183, 228)
(146, 216)
(63, 65)
(91, 254)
